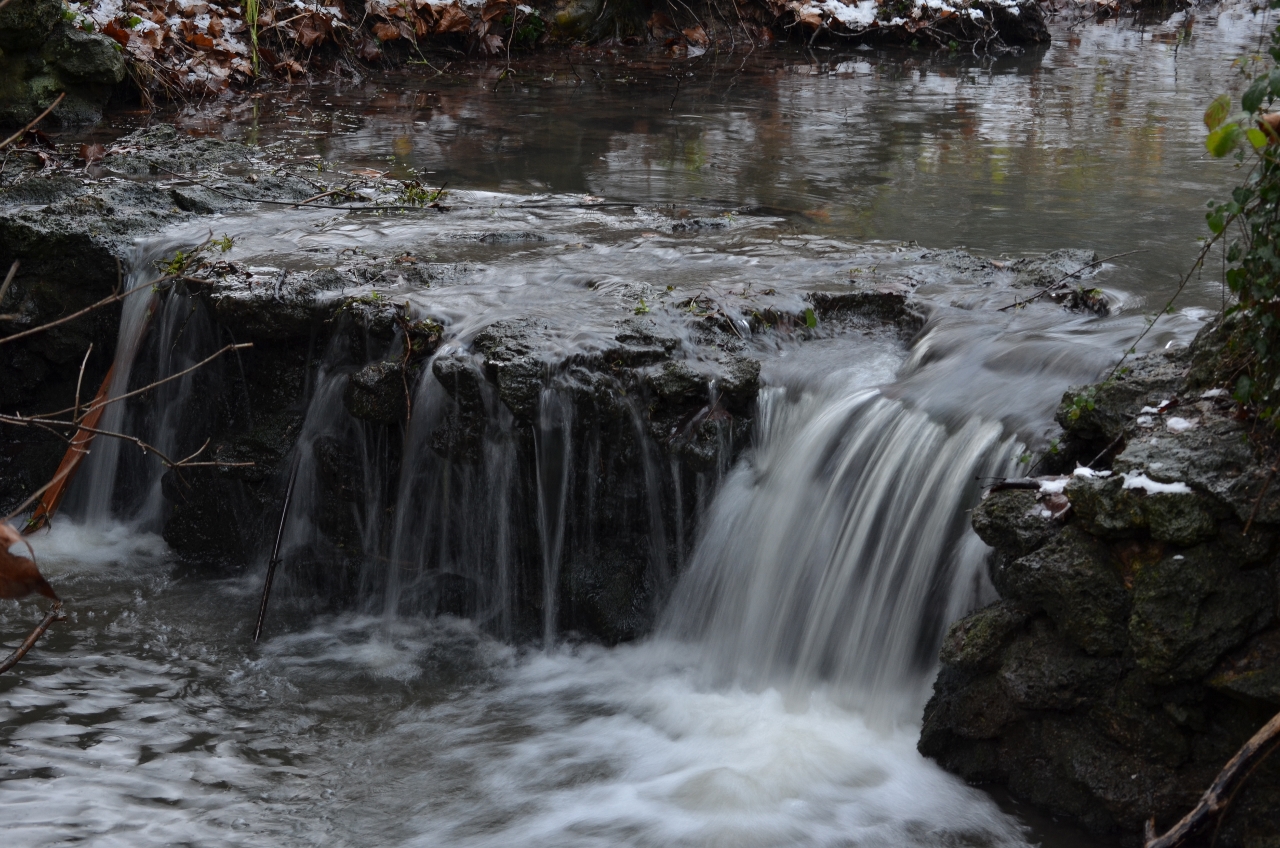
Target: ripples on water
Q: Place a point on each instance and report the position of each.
(149, 719)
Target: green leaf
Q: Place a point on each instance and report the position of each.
(1223, 140)
(1254, 94)
(1217, 111)
(810, 319)
(1257, 138)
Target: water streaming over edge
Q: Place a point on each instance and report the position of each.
(149, 721)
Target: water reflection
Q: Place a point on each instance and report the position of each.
(1092, 142)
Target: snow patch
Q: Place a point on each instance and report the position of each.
(1084, 471)
(1181, 425)
(1138, 480)
(1053, 485)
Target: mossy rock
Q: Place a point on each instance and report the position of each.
(1078, 582)
(976, 642)
(1041, 672)
(1190, 608)
(25, 24)
(1013, 521)
(84, 57)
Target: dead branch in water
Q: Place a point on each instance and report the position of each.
(1016, 303)
(1218, 797)
(55, 614)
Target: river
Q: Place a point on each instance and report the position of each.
(778, 703)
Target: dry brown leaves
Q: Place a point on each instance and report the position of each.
(19, 575)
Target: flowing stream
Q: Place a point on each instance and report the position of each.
(778, 701)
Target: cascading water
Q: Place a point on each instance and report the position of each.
(839, 554)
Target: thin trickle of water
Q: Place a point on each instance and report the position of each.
(91, 495)
(553, 449)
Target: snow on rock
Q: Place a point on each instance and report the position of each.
(1138, 480)
(1053, 485)
(1084, 471)
(858, 16)
(1181, 425)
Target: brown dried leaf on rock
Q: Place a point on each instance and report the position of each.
(92, 153)
(453, 20)
(696, 35)
(19, 575)
(119, 33)
(386, 32)
(314, 29)
(495, 9)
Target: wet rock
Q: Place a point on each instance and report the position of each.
(378, 393)
(1253, 671)
(976, 642)
(26, 24)
(84, 57)
(1098, 414)
(1153, 664)
(1078, 583)
(1053, 267)
(1016, 520)
(1041, 672)
(1191, 607)
(883, 302)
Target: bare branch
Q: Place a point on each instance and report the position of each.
(1059, 282)
(182, 373)
(1218, 796)
(106, 301)
(8, 280)
(80, 380)
(55, 614)
(20, 133)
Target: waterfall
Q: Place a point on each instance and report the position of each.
(841, 552)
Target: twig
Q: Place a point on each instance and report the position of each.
(1059, 282)
(57, 478)
(144, 389)
(1204, 251)
(20, 133)
(275, 549)
(8, 280)
(73, 316)
(55, 614)
(1253, 513)
(1219, 794)
(80, 380)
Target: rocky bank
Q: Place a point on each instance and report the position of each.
(1136, 642)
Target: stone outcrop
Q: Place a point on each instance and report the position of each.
(42, 56)
(1133, 649)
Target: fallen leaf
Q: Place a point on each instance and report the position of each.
(313, 30)
(453, 19)
(696, 35)
(368, 50)
(117, 32)
(215, 27)
(19, 575)
(386, 32)
(91, 153)
(495, 9)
